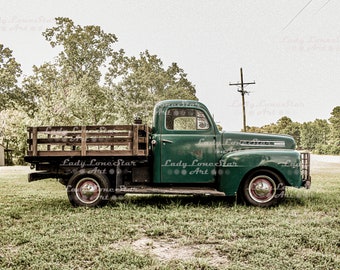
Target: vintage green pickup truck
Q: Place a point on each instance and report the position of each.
(182, 153)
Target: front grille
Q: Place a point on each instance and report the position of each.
(305, 169)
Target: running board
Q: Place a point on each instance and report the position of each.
(169, 190)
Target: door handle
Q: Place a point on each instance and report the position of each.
(167, 141)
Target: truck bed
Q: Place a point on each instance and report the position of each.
(83, 141)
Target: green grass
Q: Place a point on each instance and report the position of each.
(40, 230)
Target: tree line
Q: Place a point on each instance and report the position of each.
(319, 136)
(92, 82)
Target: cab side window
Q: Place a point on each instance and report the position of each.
(186, 119)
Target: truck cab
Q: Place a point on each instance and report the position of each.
(189, 148)
(184, 143)
(182, 153)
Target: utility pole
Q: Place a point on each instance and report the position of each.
(242, 91)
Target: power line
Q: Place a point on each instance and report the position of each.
(290, 22)
(243, 92)
(325, 4)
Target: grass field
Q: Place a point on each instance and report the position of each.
(40, 230)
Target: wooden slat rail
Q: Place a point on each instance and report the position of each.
(83, 141)
(110, 140)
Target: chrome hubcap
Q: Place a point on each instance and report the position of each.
(262, 189)
(88, 190)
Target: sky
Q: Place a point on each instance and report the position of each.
(290, 48)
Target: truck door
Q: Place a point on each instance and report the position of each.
(188, 147)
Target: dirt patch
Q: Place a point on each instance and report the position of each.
(164, 250)
(168, 250)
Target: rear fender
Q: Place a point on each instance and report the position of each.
(236, 165)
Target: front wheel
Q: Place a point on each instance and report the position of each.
(263, 188)
(88, 189)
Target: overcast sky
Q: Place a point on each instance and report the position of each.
(290, 48)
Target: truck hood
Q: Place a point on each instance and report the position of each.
(233, 141)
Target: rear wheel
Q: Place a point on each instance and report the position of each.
(88, 189)
(263, 188)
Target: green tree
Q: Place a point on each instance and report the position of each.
(12, 121)
(10, 71)
(68, 91)
(335, 131)
(314, 134)
(271, 128)
(284, 125)
(84, 49)
(143, 82)
(60, 100)
(13, 133)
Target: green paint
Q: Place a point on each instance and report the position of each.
(189, 149)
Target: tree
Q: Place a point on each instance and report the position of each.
(314, 134)
(10, 71)
(68, 91)
(84, 49)
(143, 82)
(284, 125)
(13, 133)
(335, 130)
(60, 100)
(12, 124)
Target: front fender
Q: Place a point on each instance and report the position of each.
(236, 165)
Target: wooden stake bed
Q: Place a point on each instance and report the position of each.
(114, 140)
